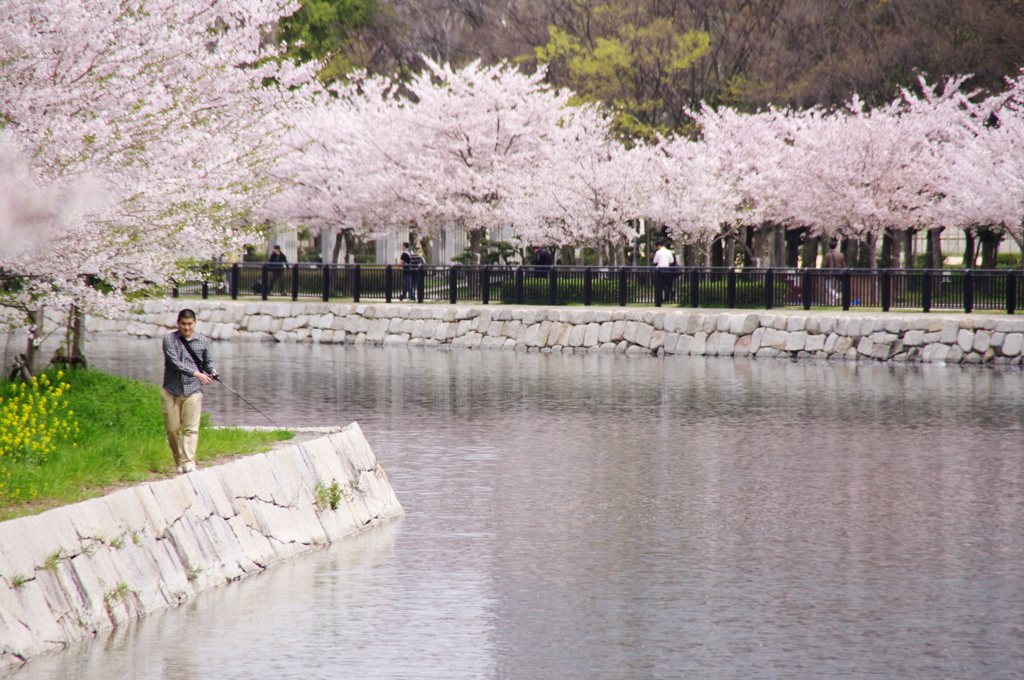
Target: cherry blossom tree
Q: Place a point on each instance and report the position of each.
(162, 109)
(984, 178)
(591, 188)
(458, 149)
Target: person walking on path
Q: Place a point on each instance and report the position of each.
(188, 365)
(411, 263)
(278, 260)
(833, 259)
(542, 261)
(664, 259)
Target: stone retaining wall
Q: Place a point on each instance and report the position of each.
(892, 336)
(73, 571)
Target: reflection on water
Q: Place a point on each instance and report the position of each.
(602, 517)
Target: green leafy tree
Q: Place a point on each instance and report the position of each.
(626, 58)
(321, 29)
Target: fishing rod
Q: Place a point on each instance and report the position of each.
(216, 377)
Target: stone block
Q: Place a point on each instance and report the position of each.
(698, 344)
(982, 341)
(779, 340)
(592, 336)
(914, 338)
(796, 341)
(644, 332)
(629, 334)
(576, 336)
(965, 339)
(950, 332)
(683, 345)
(756, 339)
(726, 344)
(742, 346)
(554, 334)
(1012, 344)
(815, 343)
(955, 354)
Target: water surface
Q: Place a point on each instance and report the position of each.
(599, 517)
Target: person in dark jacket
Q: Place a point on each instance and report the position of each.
(278, 260)
(542, 259)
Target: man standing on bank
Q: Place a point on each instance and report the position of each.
(188, 365)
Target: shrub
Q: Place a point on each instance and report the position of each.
(34, 419)
(536, 291)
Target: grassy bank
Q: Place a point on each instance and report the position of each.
(76, 434)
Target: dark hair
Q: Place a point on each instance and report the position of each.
(405, 244)
(277, 247)
(186, 314)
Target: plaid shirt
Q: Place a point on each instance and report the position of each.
(179, 366)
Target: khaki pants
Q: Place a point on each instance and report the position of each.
(181, 419)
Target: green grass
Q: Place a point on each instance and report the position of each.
(121, 441)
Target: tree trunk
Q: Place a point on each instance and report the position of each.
(778, 246)
(427, 249)
(475, 237)
(935, 258)
(717, 253)
(809, 256)
(35, 328)
(793, 239)
(907, 236)
(990, 240)
(969, 255)
(890, 250)
(72, 353)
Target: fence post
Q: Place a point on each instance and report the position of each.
(264, 281)
(485, 284)
(1011, 292)
(357, 282)
(553, 286)
(389, 282)
(769, 289)
(519, 284)
(694, 288)
(587, 283)
(926, 291)
(204, 290)
(295, 282)
(623, 287)
(730, 289)
(174, 290)
(886, 290)
(968, 292)
(233, 280)
(419, 283)
(657, 286)
(845, 289)
(808, 289)
(325, 282)
(453, 283)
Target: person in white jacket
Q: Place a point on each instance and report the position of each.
(664, 259)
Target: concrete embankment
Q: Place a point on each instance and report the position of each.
(937, 337)
(74, 571)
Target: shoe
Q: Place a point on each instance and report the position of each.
(180, 471)
(187, 468)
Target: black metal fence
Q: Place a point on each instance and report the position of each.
(708, 287)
